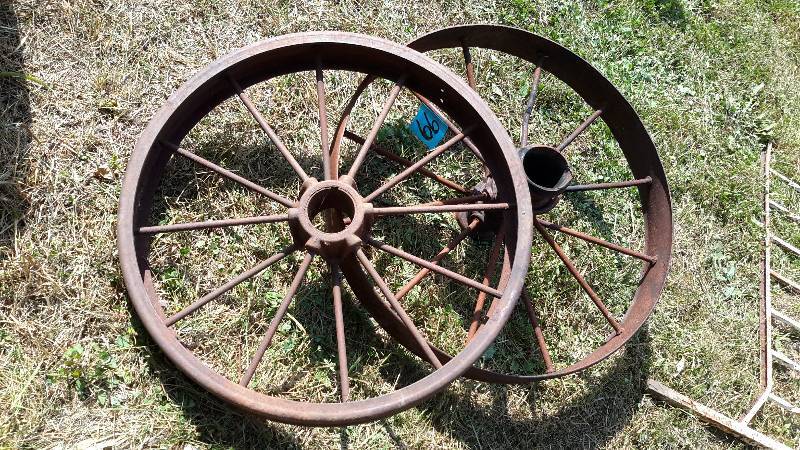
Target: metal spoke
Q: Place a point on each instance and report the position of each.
(537, 331)
(469, 68)
(362, 257)
(189, 226)
(436, 209)
(268, 129)
(611, 185)
(598, 241)
(344, 378)
(436, 259)
(406, 162)
(273, 326)
(785, 281)
(230, 285)
(373, 133)
(341, 130)
(467, 141)
(526, 116)
(568, 140)
(788, 213)
(488, 274)
(458, 200)
(434, 268)
(327, 172)
(228, 174)
(414, 167)
(582, 282)
(505, 273)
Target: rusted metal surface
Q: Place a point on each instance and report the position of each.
(598, 241)
(526, 115)
(537, 330)
(642, 159)
(491, 267)
(578, 277)
(548, 175)
(339, 243)
(611, 185)
(439, 256)
(399, 159)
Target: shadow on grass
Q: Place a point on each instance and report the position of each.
(590, 421)
(587, 422)
(669, 11)
(216, 422)
(588, 208)
(15, 135)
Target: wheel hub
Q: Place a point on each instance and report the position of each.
(330, 219)
(548, 175)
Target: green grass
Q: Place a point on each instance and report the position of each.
(712, 81)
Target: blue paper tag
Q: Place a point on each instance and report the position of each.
(428, 127)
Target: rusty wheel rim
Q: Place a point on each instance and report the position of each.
(642, 158)
(340, 243)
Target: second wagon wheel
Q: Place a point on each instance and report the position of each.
(328, 222)
(546, 310)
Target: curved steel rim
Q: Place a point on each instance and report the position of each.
(633, 139)
(256, 63)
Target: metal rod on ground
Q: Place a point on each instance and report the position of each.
(713, 418)
(415, 167)
(786, 245)
(273, 325)
(228, 174)
(373, 132)
(581, 128)
(230, 285)
(789, 213)
(793, 184)
(422, 209)
(491, 267)
(190, 226)
(526, 115)
(766, 308)
(537, 331)
(327, 172)
(273, 136)
(398, 309)
(341, 349)
(785, 361)
(783, 403)
(786, 281)
(578, 277)
(786, 320)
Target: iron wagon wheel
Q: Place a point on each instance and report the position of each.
(348, 218)
(550, 179)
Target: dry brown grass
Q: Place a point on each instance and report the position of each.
(693, 71)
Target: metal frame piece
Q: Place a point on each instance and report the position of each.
(769, 355)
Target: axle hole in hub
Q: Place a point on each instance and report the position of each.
(328, 204)
(548, 175)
